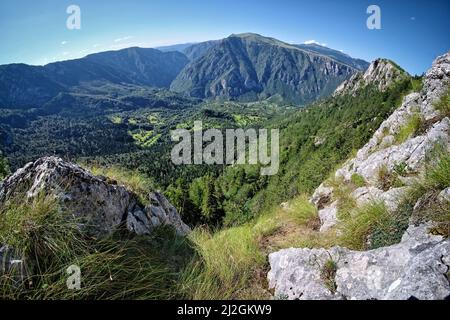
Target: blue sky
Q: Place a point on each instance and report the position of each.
(413, 32)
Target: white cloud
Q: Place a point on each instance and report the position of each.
(315, 42)
(64, 42)
(123, 39)
(96, 45)
(413, 18)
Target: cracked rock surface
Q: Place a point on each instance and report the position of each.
(98, 204)
(416, 267)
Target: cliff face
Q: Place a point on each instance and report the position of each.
(399, 151)
(252, 67)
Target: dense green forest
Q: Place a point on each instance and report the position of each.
(134, 133)
(313, 141)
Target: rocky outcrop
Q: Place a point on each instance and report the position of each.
(97, 203)
(415, 268)
(382, 73)
(386, 152)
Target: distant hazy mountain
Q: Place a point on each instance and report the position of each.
(25, 86)
(175, 47)
(198, 50)
(192, 50)
(359, 64)
(250, 67)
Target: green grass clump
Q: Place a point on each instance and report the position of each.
(417, 84)
(357, 228)
(443, 104)
(111, 268)
(358, 180)
(411, 128)
(342, 193)
(436, 179)
(438, 173)
(393, 226)
(38, 227)
(227, 261)
(302, 212)
(133, 180)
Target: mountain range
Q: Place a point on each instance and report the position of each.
(30, 86)
(245, 67)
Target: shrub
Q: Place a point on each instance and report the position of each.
(401, 169)
(4, 167)
(417, 83)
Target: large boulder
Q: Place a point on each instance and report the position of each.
(415, 268)
(97, 203)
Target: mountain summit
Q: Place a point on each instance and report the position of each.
(249, 66)
(381, 73)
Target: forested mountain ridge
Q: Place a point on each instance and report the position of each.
(27, 86)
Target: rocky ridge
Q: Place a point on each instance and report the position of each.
(419, 265)
(383, 152)
(381, 72)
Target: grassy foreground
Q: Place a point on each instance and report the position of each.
(209, 264)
